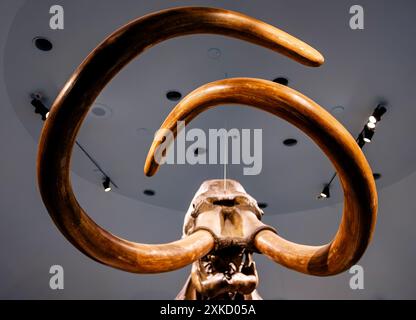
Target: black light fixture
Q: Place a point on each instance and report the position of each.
(360, 140)
(325, 193)
(106, 184)
(367, 134)
(377, 114)
(40, 108)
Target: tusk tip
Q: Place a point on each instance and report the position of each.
(316, 60)
(150, 169)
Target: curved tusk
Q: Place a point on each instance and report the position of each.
(360, 196)
(74, 101)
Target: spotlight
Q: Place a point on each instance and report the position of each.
(106, 184)
(365, 136)
(360, 140)
(372, 119)
(377, 114)
(40, 108)
(325, 193)
(368, 134)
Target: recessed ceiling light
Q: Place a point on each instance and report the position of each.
(36, 95)
(214, 53)
(290, 142)
(100, 110)
(337, 109)
(42, 44)
(282, 80)
(262, 205)
(173, 95)
(376, 175)
(149, 192)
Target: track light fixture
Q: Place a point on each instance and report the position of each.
(40, 108)
(368, 134)
(106, 184)
(377, 114)
(360, 140)
(365, 136)
(325, 193)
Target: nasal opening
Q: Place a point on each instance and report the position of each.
(225, 202)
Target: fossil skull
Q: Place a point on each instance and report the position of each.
(233, 218)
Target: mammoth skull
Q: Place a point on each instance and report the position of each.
(233, 218)
(222, 227)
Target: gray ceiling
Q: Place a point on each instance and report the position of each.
(362, 68)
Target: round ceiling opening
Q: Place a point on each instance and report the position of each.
(42, 44)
